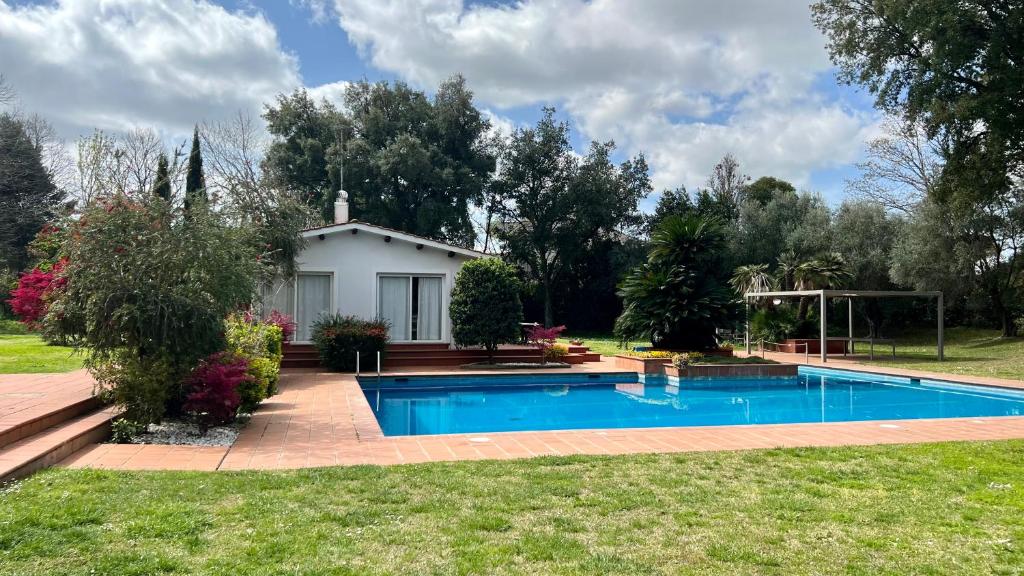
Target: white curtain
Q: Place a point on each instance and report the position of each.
(428, 325)
(393, 305)
(314, 291)
(279, 296)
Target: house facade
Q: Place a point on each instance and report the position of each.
(369, 271)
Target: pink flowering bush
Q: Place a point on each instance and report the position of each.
(28, 300)
(283, 321)
(213, 388)
(544, 338)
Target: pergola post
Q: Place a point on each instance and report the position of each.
(746, 318)
(849, 302)
(942, 336)
(824, 329)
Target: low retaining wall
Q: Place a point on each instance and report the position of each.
(640, 365)
(732, 370)
(796, 346)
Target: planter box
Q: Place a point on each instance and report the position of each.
(640, 365)
(732, 370)
(795, 346)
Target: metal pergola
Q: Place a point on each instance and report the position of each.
(824, 295)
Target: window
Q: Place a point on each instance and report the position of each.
(411, 305)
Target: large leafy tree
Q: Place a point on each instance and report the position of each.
(948, 64)
(410, 162)
(554, 205)
(681, 294)
(28, 197)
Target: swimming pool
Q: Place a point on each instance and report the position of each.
(475, 404)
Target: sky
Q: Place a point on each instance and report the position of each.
(681, 81)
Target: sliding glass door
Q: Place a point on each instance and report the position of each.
(412, 306)
(312, 299)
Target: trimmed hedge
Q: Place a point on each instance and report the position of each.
(337, 338)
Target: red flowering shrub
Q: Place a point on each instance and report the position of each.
(543, 338)
(283, 321)
(28, 300)
(213, 396)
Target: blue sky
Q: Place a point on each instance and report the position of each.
(683, 81)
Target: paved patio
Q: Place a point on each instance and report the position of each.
(323, 419)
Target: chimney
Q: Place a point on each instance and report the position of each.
(341, 208)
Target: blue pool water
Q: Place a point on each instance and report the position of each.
(448, 405)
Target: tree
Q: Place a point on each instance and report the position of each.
(162, 182)
(681, 294)
(6, 91)
(726, 183)
(410, 162)
(953, 66)
(28, 197)
(901, 169)
(864, 236)
(788, 222)
(752, 278)
(146, 293)
(766, 188)
(670, 202)
(554, 206)
(195, 180)
(824, 272)
(485, 307)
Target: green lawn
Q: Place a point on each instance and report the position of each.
(27, 353)
(924, 509)
(969, 351)
(603, 344)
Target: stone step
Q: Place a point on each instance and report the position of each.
(47, 416)
(54, 444)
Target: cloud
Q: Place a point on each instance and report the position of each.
(333, 92)
(166, 64)
(683, 81)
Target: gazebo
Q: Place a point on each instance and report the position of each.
(824, 295)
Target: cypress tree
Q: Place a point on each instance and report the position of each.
(162, 185)
(195, 182)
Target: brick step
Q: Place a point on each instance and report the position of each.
(578, 349)
(49, 418)
(52, 445)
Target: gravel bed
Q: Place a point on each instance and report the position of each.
(182, 432)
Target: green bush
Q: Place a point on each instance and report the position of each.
(260, 344)
(556, 353)
(138, 385)
(485, 307)
(12, 327)
(124, 431)
(338, 338)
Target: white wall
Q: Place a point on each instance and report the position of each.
(357, 259)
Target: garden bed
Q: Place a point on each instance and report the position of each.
(186, 433)
(742, 370)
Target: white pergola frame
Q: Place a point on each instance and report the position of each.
(824, 295)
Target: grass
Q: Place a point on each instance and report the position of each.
(922, 509)
(603, 344)
(969, 351)
(20, 354)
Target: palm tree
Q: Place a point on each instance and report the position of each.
(786, 270)
(752, 278)
(821, 273)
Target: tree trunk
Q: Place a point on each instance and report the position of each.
(549, 317)
(802, 309)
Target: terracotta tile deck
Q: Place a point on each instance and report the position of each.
(323, 419)
(30, 403)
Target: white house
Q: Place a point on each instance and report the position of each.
(370, 272)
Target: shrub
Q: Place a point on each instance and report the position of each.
(649, 354)
(124, 431)
(687, 358)
(213, 389)
(28, 300)
(681, 294)
(283, 321)
(338, 338)
(556, 353)
(260, 344)
(485, 307)
(544, 338)
(144, 281)
(137, 385)
(12, 327)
